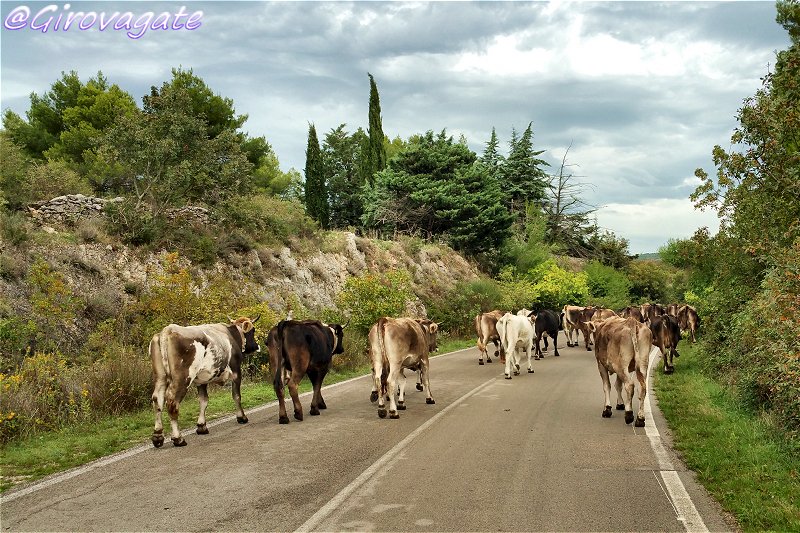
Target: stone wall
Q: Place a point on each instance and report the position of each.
(69, 208)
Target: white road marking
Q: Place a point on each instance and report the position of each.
(679, 497)
(110, 459)
(383, 463)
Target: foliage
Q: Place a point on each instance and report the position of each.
(266, 220)
(548, 286)
(17, 335)
(167, 159)
(376, 153)
(649, 282)
(53, 303)
(67, 122)
(456, 308)
(491, 157)
(14, 228)
(608, 287)
(521, 175)
(436, 187)
(526, 249)
(316, 191)
(14, 190)
(342, 154)
(367, 298)
(609, 249)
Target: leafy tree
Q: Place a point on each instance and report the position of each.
(341, 153)
(608, 287)
(316, 192)
(521, 175)
(67, 122)
(166, 158)
(217, 111)
(376, 155)
(14, 188)
(437, 187)
(609, 249)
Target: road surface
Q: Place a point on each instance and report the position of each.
(527, 454)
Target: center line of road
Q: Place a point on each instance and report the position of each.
(385, 461)
(678, 496)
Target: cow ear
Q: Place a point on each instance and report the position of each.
(434, 327)
(247, 326)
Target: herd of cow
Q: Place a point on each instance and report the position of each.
(213, 353)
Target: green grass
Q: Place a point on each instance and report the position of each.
(33, 458)
(739, 456)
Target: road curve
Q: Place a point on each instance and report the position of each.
(527, 454)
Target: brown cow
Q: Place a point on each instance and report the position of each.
(395, 344)
(688, 320)
(208, 353)
(666, 336)
(571, 320)
(650, 311)
(297, 348)
(622, 348)
(633, 311)
(486, 328)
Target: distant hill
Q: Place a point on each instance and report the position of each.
(652, 256)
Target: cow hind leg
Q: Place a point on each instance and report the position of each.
(641, 377)
(175, 394)
(202, 396)
(629, 388)
(391, 387)
(158, 407)
(401, 401)
(606, 390)
(620, 401)
(294, 381)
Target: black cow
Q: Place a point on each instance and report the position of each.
(546, 323)
(297, 348)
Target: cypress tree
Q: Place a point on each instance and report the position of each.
(491, 157)
(316, 192)
(376, 155)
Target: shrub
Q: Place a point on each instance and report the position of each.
(13, 266)
(608, 287)
(14, 228)
(17, 335)
(455, 310)
(55, 178)
(120, 382)
(649, 280)
(365, 299)
(557, 287)
(101, 304)
(266, 220)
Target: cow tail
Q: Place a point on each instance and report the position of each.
(384, 357)
(636, 351)
(278, 380)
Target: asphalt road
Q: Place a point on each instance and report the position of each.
(527, 454)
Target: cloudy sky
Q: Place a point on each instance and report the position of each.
(641, 90)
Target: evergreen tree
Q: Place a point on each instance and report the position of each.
(341, 153)
(491, 158)
(521, 175)
(376, 156)
(316, 193)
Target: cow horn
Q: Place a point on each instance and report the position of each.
(230, 319)
(256, 318)
(346, 323)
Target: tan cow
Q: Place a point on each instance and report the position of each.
(622, 347)
(486, 328)
(570, 318)
(199, 355)
(395, 344)
(688, 320)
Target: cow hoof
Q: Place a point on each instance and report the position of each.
(588, 349)
(530, 371)
(322, 405)
(489, 360)
(480, 362)
(314, 411)
(298, 415)
(202, 429)
(607, 412)
(430, 401)
(178, 442)
(639, 422)
(628, 417)
(516, 365)
(401, 407)
(382, 413)
(393, 415)
(508, 377)
(158, 440)
(420, 387)
(242, 419)
(373, 397)
(558, 354)
(535, 357)
(283, 419)
(620, 407)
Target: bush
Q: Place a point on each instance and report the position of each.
(608, 287)
(14, 228)
(365, 299)
(649, 280)
(455, 310)
(557, 287)
(55, 178)
(266, 220)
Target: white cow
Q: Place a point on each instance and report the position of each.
(516, 332)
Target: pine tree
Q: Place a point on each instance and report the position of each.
(521, 174)
(316, 192)
(376, 156)
(491, 157)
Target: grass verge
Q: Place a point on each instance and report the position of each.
(739, 456)
(33, 458)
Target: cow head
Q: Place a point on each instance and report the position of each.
(247, 329)
(430, 328)
(338, 337)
